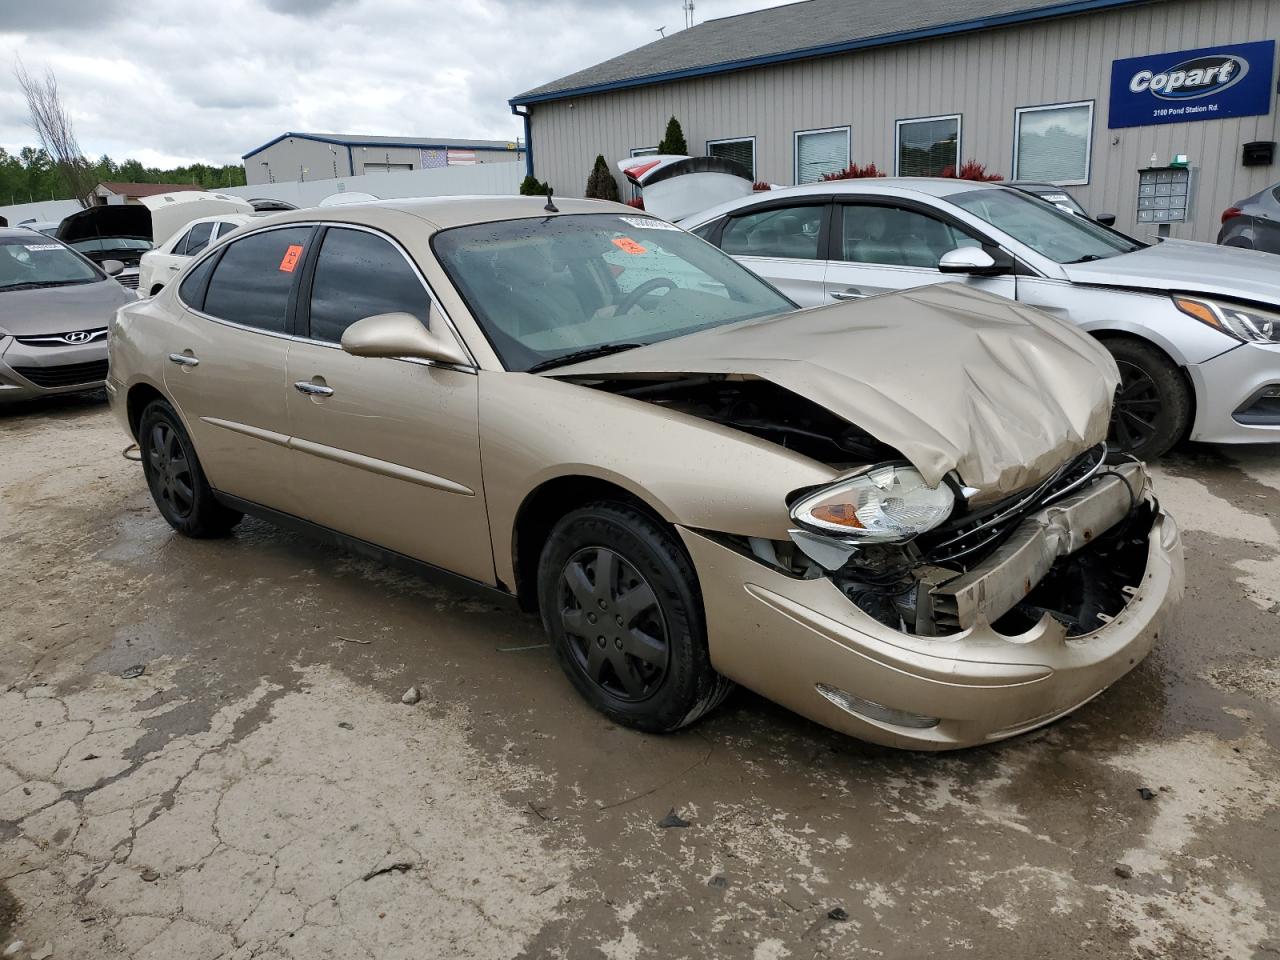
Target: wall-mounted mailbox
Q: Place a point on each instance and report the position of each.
(1260, 153)
(1165, 195)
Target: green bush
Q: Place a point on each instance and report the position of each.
(673, 141)
(531, 186)
(600, 183)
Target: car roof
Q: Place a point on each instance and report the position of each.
(445, 212)
(18, 233)
(905, 187)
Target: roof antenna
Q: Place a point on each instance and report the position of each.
(661, 30)
(550, 207)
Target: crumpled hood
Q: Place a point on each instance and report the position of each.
(1188, 267)
(953, 378)
(80, 306)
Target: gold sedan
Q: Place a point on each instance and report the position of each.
(895, 517)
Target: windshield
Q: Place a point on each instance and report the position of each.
(549, 288)
(97, 244)
(1056, 234)
(41, 263)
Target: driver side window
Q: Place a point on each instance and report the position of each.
(895, 236)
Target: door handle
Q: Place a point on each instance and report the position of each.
(183, 360)
(313, 389)
(849, 293)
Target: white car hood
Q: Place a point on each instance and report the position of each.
(1185, 266)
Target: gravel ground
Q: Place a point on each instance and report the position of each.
(261, 791)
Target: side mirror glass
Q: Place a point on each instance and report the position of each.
(401, 335)
(112, 268)
(974, 260)
(1106, 219)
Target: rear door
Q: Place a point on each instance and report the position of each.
(784, 242)
(160, 266)
(882, 245)
(388, 450)
(227, 353)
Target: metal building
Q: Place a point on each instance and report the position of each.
(327, 156)
(1085, 94)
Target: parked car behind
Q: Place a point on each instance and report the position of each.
(158, 266)
(891, 516)
(1253, 223)
(1195, 328)
(54, 309)
(1061, 197)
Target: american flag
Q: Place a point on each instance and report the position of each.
(434, 159)
(462, 158)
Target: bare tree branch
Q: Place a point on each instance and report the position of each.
(52, 124)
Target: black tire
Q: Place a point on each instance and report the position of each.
(1153, 402)
(175, 478)
(647, 665)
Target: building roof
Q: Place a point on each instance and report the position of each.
(370, 140)
(796, 31)
(122, 189)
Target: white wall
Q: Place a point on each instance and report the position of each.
(483, 179)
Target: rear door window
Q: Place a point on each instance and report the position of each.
(360, 275)
(197, 239)
(254, 278)
(791, 233)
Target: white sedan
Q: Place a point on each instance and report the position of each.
(164, 262)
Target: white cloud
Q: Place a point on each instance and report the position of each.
(168, 82)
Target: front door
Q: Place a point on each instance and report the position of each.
(880, 247)
(784, 244)
(386, 450)
(226, 361)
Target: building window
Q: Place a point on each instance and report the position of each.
(927, 146)
(644, 151)
(1053, 143)
(740, 150)
(820, 152)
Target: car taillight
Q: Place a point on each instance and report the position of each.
(1231, 212)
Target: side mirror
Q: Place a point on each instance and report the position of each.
(112, 268)
(1106, 219)
(400, 335)
(977, 261)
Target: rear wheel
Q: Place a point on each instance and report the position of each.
(1152, 409)
(175, 478)
(620, 603)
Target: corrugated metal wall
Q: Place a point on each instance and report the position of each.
(985, 77)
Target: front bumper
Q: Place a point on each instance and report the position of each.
(785, 638)
(28, 372)
(1227, 384)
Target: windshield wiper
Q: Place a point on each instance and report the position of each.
(38, 284)
(588, 354)
(1087, 258)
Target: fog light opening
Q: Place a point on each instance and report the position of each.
(870, 710)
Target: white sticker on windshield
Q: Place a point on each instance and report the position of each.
(648, 223)
(43, 246)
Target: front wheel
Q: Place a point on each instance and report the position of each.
(620, 602)
(1152, 408)
(175, 478)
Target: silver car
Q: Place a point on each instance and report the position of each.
(1195, 328)
(54, 309)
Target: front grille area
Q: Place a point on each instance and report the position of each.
(67, 375)
(129, 280)
(79, 338)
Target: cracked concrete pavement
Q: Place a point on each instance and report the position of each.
(230, 801)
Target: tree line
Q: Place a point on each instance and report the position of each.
(31, 174)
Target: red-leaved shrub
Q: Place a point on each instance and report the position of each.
(760, 186)
(971, 170)
(855, 172)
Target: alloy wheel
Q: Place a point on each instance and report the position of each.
(617, 633)
(1137, 407)
(171, 479)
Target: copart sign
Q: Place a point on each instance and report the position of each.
(1208, 84)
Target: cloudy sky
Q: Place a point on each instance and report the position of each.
(168, 82)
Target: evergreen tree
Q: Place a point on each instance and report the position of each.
(673, 141)
(600, 183)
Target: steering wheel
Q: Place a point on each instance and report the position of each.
(646, 288)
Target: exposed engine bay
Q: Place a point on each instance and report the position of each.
(1073, 546)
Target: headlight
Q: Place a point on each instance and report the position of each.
(888, 503)
(1244, 323)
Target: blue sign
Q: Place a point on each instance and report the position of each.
(1208, 84)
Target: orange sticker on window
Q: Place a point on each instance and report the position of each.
(291, 256)
(627, 245)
